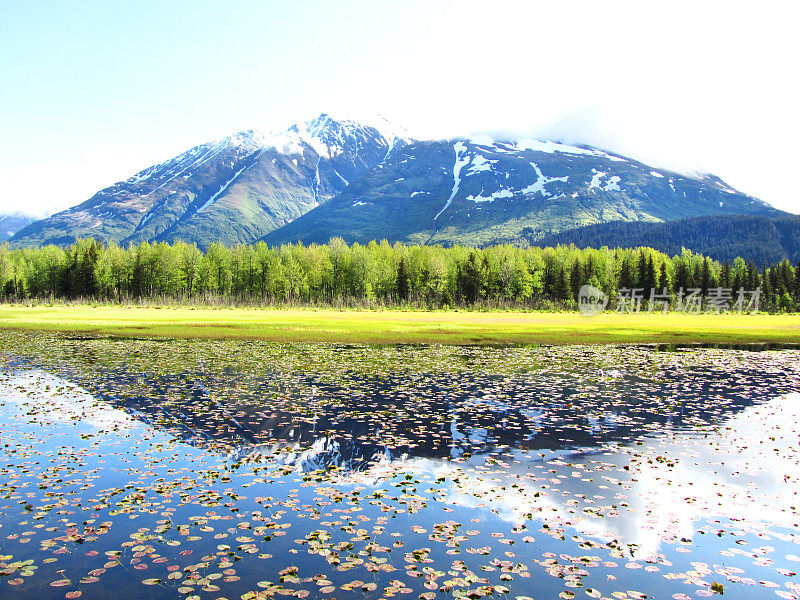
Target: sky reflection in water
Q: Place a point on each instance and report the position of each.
(228, 470)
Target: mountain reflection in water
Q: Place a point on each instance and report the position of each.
(616, 453)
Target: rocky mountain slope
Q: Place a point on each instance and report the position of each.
(233, 190)
(480, 191)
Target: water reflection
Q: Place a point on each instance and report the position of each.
(620, 454)
(365, 419)
(641, 495)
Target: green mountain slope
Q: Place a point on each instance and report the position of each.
(764, 240)
(484, 192)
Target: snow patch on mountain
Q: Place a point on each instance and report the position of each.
(611, 184)
(462, 160)
(480, 163)
(482, 140)
(316, 182)
(144, 220)
(553, 147)
(537, 187)
(339, 175)
(504, 193)
(596, 178)
(224, 187)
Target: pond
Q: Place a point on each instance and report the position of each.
(201, 469)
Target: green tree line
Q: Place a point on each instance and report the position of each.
(378, 273)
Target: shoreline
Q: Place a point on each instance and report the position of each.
(391, 327)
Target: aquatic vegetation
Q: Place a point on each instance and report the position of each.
(202, 469)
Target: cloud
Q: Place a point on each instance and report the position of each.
(581, 125)
(686, 86)
(586, 125)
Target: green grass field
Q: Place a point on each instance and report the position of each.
(397, 326)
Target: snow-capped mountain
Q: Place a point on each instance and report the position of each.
(481, 191)
(236, 189)
(329, 177)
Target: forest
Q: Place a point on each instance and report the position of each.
(378, 274)
(764, 240)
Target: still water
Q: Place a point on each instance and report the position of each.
(186, 469)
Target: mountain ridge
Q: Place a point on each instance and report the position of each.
(329, 177)
(234, 189)
(479, 192)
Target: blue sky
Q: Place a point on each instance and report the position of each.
(91, 92)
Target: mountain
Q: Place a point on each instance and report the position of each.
(236, 189)
(12, 223)
(331, 177)
(480, 191)
(764, 240)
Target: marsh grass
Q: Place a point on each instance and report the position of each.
(393, 326)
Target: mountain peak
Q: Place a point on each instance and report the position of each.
(326, 125)
(326, 134)
(321, 123)
(249, 139)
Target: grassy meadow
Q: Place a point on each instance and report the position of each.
(447, 327)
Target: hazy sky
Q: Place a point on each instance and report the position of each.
(91, 92)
